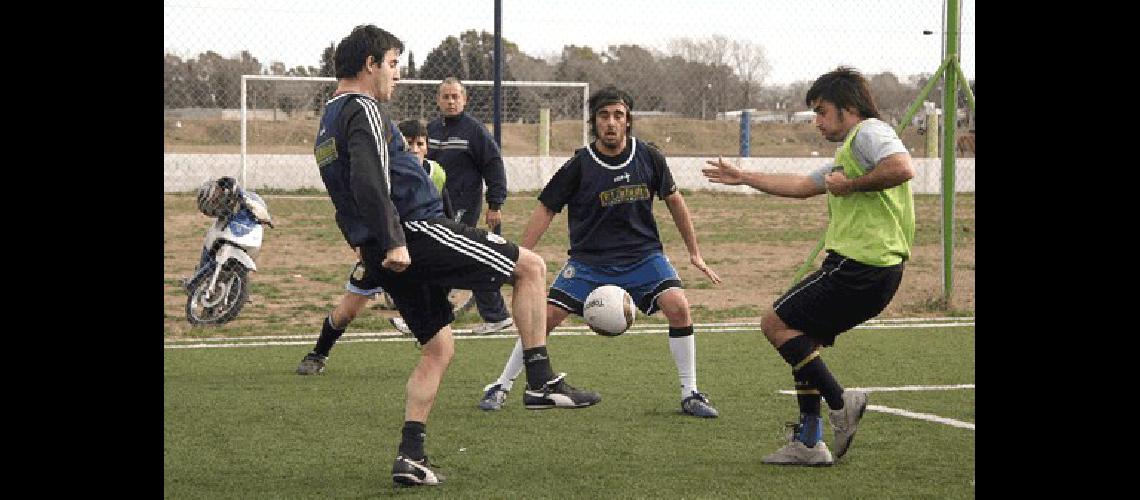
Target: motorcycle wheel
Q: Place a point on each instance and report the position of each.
(225, 300)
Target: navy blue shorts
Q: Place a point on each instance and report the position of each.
(645, 280)
(445, 254)
(838, 297)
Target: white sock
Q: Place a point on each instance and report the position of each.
(684, 351)
(513, 369)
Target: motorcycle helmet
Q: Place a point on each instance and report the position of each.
(218, 198)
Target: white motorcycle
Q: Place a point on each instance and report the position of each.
(219, 287)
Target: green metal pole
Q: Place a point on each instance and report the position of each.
(913, 108)
(965, 86)
(950, 129)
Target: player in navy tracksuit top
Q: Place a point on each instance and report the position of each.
(469, 155)
(388, 207)
(609, 188)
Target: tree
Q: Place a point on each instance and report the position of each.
(410, 72)
(751, 67)
(444, 61)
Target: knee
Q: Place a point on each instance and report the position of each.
(341, 318)
(439, 351)
(530, 265)
(771, 325)
(674, 305)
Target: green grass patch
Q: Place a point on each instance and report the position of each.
(238, 423)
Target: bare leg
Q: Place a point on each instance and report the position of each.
(529, 301)
(423, 384)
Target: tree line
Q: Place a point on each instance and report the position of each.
(693, 78)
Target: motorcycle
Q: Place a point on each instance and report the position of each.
(219, 286)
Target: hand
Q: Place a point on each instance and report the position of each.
(494, 218)
(397, 259)
(838, 184)
(699, 262)
(724, 173)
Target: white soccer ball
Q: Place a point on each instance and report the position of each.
(609, 310)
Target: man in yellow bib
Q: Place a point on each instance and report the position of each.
(869, 234)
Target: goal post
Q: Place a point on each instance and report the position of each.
(525, 104)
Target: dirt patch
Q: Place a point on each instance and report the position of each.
(755, 243)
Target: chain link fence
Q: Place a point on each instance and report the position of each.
(692, 68)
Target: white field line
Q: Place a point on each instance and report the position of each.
(904, 388)
(912, 414)
(511, 333)
(922, 416)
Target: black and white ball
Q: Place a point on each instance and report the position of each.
(609, 310)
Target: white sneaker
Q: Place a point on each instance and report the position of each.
(845, 421)
(492, 327)
(399, 324)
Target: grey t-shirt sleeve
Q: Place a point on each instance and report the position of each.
(876, 140)
(818, 174)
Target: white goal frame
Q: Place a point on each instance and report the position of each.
(585, 86)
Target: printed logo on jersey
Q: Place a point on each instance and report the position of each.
(622, 177)
(496, 239)
(326, 152)
(568, 271)
(624, 194)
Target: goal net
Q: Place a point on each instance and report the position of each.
(279, 117)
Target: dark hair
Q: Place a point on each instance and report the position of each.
(354, 49)
(606, 96)
(412, 128)
(845, 87)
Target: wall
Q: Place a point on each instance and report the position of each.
(183, 172)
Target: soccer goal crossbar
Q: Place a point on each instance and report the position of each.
(245, 79)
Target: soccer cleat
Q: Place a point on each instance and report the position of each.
(797, 453)
(558, 394)
(408, 472)
(399, 324)
(845, 421)
(698, 405)
(493, 326)
(312, 364)
(493, 397)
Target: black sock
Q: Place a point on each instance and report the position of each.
(807, 396)
(800, 352)
(329, 336)
(680, 331)
(412, 443)
(538, 370)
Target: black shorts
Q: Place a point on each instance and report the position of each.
(839, 296)
(445, 254)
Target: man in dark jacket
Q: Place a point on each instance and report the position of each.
(470, 156)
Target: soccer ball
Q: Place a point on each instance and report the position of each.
(609, 310)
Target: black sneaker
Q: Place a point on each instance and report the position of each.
(312, 364)
(408, 472)
(558, 394)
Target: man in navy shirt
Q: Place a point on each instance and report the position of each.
(388, 208)
(609, 186)
(470, 155)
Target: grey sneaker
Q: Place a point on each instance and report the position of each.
(698, 405)
(845, 421)
(408, 472)
(493, 397)
(797, 453)
(312, 364)
(558, 394)
(492, 327)
(399, 324)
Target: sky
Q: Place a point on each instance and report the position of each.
(801, 38)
